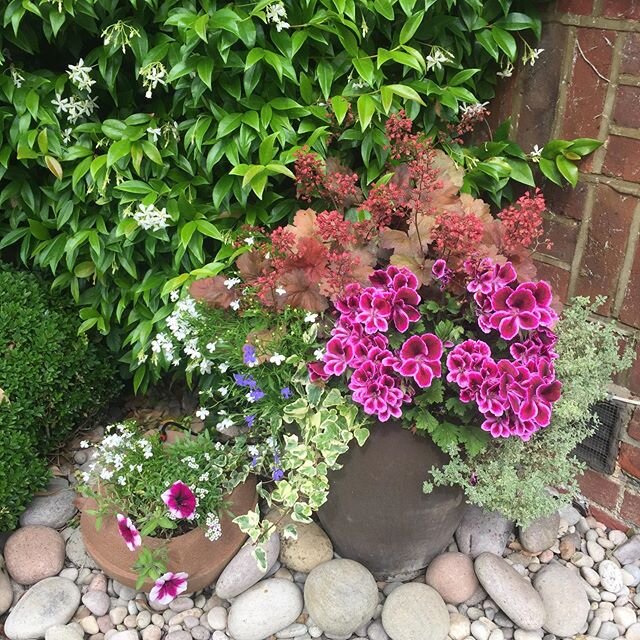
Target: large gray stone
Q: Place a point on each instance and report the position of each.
(610, 576)
(50, 602)
(265, 609)
(63, 632)
(6, 592)
(340, 596)
(540, 534)
(53, 511)
(628, 552)
(243, 570)
(481, 531)
(77, 553)
(510, 591)
(565, 600)
(415, 611)
(34, 553)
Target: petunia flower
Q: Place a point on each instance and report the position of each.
(128, 532)
(168, 586)
(180, 501)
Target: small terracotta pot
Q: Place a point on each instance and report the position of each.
(202, 559)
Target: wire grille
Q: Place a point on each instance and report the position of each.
(600, 449)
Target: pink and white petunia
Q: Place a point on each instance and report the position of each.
(128, 532)
(168, 586)
(180, 501)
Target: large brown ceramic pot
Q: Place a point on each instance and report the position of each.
(377, 512)
(202, 559)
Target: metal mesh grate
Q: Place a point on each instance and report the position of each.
(600, 450)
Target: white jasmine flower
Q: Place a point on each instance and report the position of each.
(235, 304)
(202, 413)
(154, 133)
(437, 58)
(80, 76)
(223, 391)
(174, 296)
(250, 241)
(473, 110)
(281, 291)
(152, 75)
(277, 359)
(276, 13)
(531, 56)
(311, 317)
(282, 25)
(66, 136)
(150, 217)
(61, 104)
(507, 72)
(17, 77)
(535, 154)
(231, 282)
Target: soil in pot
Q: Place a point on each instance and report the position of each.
(192, 552)
(377, 512)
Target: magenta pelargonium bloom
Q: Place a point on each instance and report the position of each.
(514, 310)
(128, 531)
(180, 501)
(420, 359)
(168, 586)
(337, 357)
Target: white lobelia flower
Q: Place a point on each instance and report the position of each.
(231, 282)
(84, 444)
(223, 391)
(311, 317)
(319, 354)
(235, 304)
(277, 359)
(281, 291)
(202, 413)
(211, 346)
(223, 367)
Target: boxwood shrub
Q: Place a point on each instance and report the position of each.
(51, 380)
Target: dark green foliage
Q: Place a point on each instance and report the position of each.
(51, 380)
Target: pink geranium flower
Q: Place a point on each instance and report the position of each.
(128, 532)
(168, 586)
(180, 501)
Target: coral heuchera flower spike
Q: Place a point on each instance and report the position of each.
(168, 586)
(180, 501)
(128, 532)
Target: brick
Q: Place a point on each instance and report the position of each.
(558, 279)
(607, 519)
(630, 310)
(620, 159)
(501, 106)
(540, 86)
(587, 91)
(633, 428)
(599, 488)
(575, 7)
(563, 235)
(623, 9)
(630, 509)
(629, 459)
(606, 245)
(565, 201)
(626, 112)
(630, 59)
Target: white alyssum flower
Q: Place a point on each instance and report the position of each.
(311, 317)
(149, 217)
(202, 413)
(214, 528)
(277, 359)
(80, 75)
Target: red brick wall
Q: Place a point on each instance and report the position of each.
(587, 84)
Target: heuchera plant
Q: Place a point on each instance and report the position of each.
(487, 368)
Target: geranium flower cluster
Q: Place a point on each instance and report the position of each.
(381, 378)
(515, 396)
